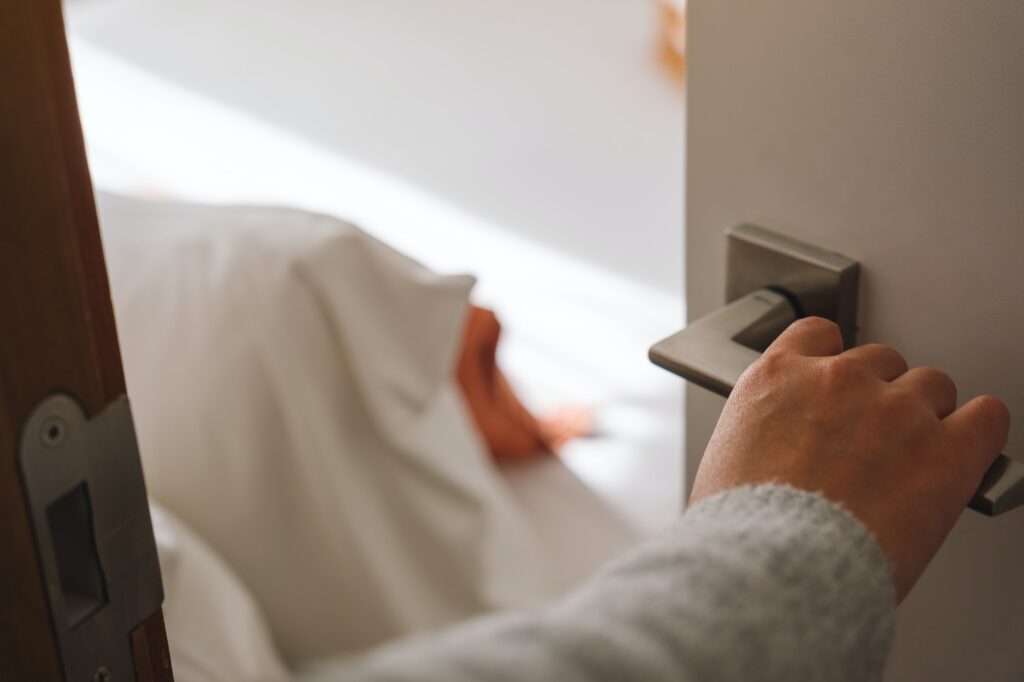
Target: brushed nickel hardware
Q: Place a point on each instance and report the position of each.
(773, 280)
(90, 515)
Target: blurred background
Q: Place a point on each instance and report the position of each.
(537, 145)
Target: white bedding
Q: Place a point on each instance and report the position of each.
(289, 378)
(216, 629)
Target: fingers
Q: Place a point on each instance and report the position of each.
(813, 337)
(883, 361)
(934, 386)
(980, 428)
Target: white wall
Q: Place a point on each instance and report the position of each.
(552, 118)
(537, 145)
(892, 132)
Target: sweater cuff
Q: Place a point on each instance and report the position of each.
(807, 565)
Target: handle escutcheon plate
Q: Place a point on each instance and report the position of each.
(772, 281)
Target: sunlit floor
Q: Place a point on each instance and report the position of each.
(549, 167)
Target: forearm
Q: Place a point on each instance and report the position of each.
(756, 584)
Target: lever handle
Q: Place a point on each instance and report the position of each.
(715, 350)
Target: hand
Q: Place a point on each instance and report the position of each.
(885, 443)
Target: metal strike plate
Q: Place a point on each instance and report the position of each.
(820, 282)
(94, 538)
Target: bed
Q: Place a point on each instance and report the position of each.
(306, 448)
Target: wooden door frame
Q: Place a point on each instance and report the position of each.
(58, 332)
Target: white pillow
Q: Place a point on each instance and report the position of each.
(290, 379)
(215, 628)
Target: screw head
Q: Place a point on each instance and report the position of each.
(53, 432)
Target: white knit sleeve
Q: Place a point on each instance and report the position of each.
(756, 584)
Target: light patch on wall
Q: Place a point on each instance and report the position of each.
(575, 333)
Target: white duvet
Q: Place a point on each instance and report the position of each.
(290, 383)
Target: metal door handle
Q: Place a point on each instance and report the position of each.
(716, 349)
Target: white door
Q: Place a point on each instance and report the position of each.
(891, 132)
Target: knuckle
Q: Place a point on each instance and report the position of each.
(933, 373)
(896, 356)
(769, 361)
(891, 354)
(994, 409)
(769, 364)
(936, 377)
(817, 325)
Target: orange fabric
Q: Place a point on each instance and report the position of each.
(507, 427)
